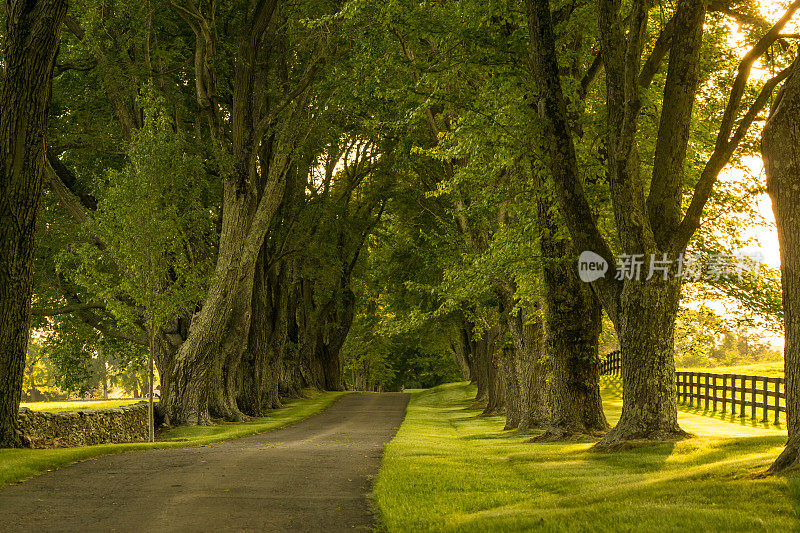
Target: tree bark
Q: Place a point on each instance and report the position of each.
(573, 321)
(531, 365)
(780, 149)
(31, 43)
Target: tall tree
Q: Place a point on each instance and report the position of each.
(33, 30)
(780, 148)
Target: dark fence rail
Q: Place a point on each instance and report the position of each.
(764, 397)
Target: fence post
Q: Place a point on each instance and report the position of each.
(764, 404)
(706, 375)
(724, 391)
(715, 393)
(753, 397)
(743, 405)
(778, 401)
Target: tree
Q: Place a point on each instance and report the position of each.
(780, 148)
(33, 30)
(651, 226)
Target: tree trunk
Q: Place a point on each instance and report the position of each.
(647, 333)
(573, 321)
(527, 336)
(460, 348)
(479, 354)
(31, 41)
(495, 397)
(780, 149)
(511, 384)
(266, 339)
(338, 325)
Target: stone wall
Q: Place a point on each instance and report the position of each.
(83, 428)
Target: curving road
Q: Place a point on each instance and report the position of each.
(315, 475)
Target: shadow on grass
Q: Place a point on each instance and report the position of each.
(728, 416)
(643, 454)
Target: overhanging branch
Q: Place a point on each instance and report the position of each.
(726, 144)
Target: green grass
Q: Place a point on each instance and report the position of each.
(78, 405)
(451, 470)
(19, 464)
(773, 370)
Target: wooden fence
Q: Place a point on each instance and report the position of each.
(761, 397)
(611, 364)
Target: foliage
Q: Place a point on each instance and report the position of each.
(153, 219)
(705, 339)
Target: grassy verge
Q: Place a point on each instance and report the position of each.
(450, 470)
(78, 405)
(20, 464)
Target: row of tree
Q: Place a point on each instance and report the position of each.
(236, 186)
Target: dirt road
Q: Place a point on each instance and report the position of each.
(312, 476)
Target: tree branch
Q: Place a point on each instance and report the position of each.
(680, 89)
(725, 144)
(563, 162)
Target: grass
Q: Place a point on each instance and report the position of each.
(78, 405)
(451, 470)
(773, 370)
(19, 464)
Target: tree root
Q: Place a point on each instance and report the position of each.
(788, 461)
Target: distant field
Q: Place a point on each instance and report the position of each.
(758, 369)
(80, 405)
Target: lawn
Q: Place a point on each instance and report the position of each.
(20, 464)
(774, 369)
(451, 470)
(77, 405)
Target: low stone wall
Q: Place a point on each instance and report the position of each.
(83, 428)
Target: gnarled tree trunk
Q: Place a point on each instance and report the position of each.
(31, 43)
